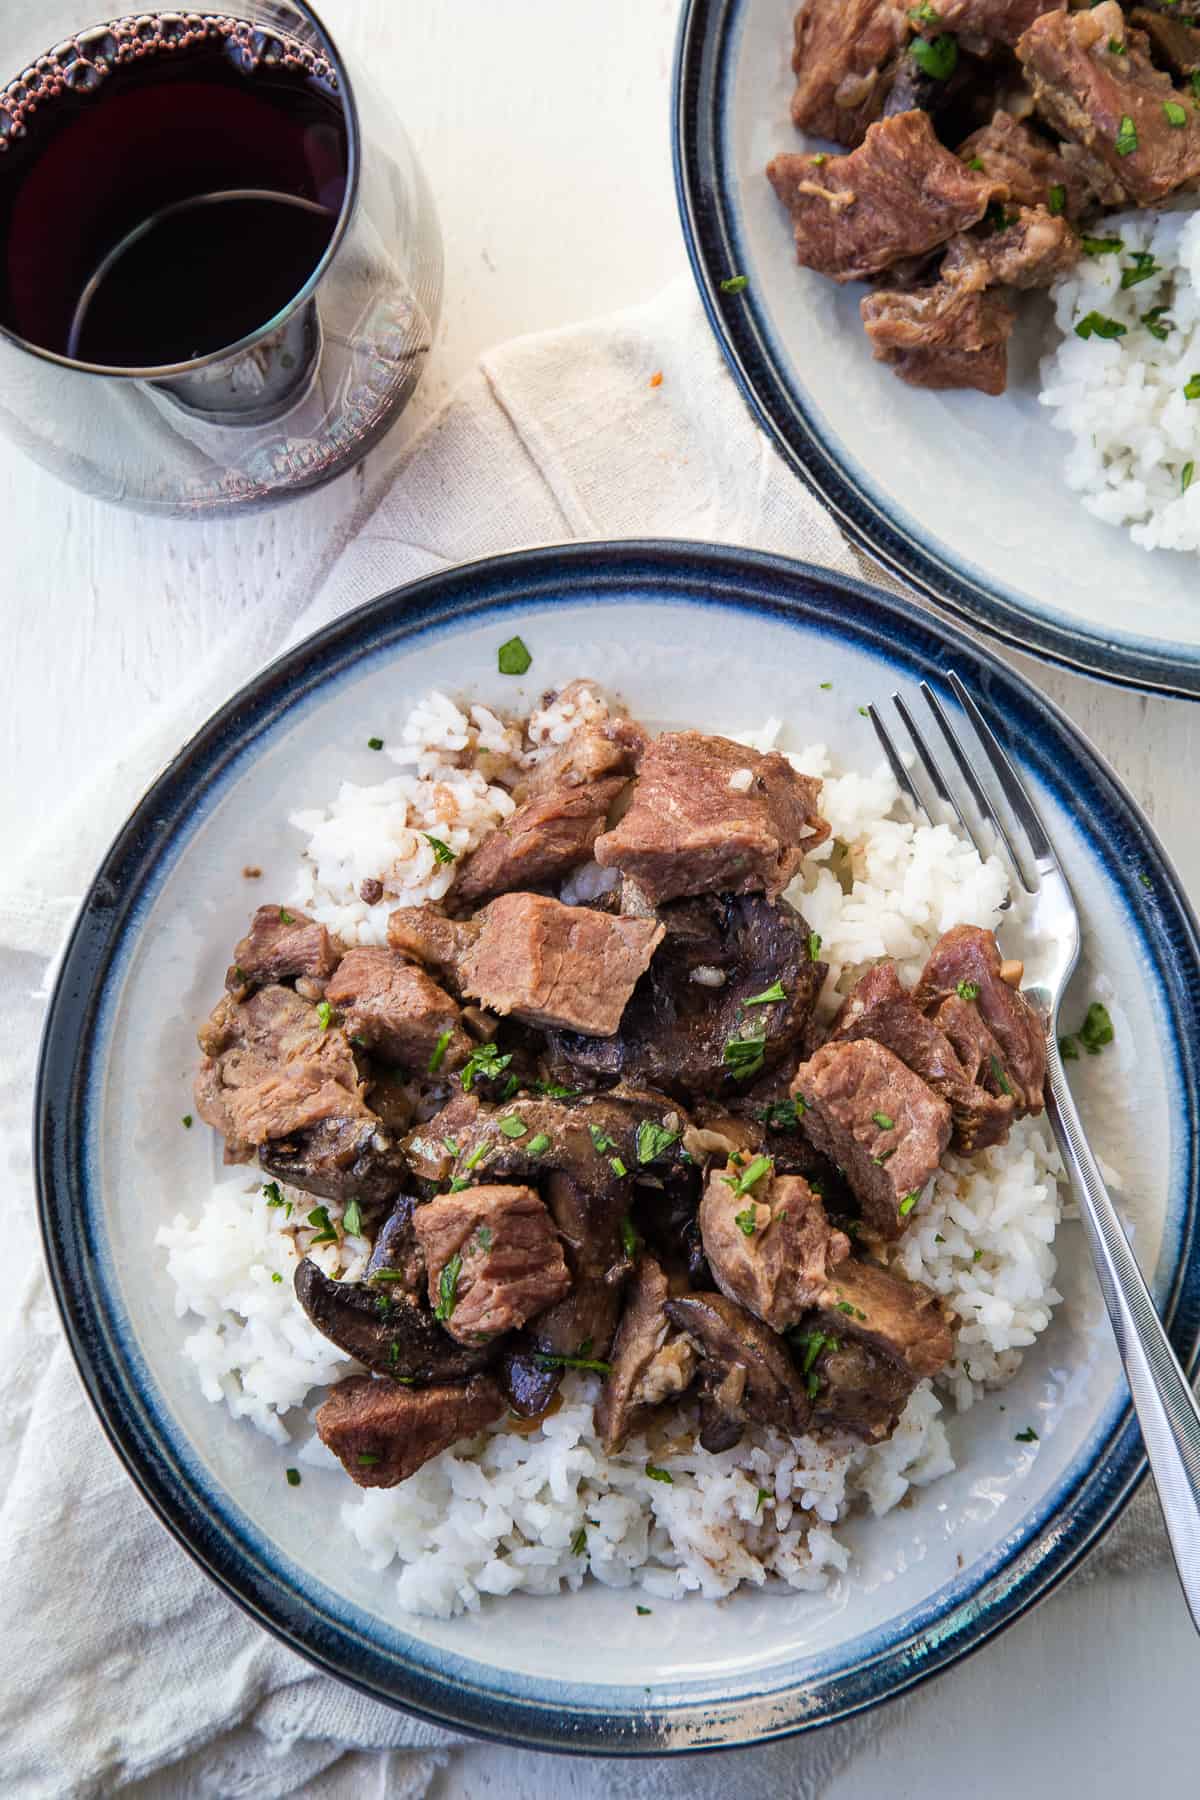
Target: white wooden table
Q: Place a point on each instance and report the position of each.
(544, 128)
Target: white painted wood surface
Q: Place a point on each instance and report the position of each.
(543, 126)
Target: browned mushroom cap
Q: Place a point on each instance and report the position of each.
(747, 1372)
(385, 1329)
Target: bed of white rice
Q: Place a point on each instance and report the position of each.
(1135, 433)
(539, 1512)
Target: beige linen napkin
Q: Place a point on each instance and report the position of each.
(124, 1667)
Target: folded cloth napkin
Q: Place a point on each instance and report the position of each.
(124, 1667)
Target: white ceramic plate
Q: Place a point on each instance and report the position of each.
(961, 494)
(688, 636)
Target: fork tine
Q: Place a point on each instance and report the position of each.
(978, 791)
(895, 763)
(1014, 788)
(934, 773)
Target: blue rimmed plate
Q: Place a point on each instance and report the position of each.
(688, 635)
(961, 495)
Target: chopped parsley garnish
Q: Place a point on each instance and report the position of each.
(1116, 47)
(845, 1306)
(1156, 322)
(735, 284)
(653, 1140)
(448, 1289)
(967, 990)
(579, 1542)
(512, 1086)
(744, 1056)
(1098, 246)
(1028, 1436)
(554, 1090)
(1144, 266)
(882, 1158)
(1097, 1029)
(274, 1197)
(1185, 476)
(513, 1127)
(285, 917)
(293, 1477)
(319, 1219)
(657, 1474)
(1068, 1049)
(450, 1145)
(324, 1014)
(442, 852)
(763, 1494)
(486, 1061)
(388, 1275)
(998, 1075)
(814, 945)
(1191, 388)
(746, 1222)
(812, 1343)
(768, 996)
(1094, 324)
(976, 1256)
(545, 1361)
(352, 1220)
(1056, 199)
(631, 1243)
(1144, 879)
(439, 1051)
(975, 164)
(907, 1204)
(367, 1459)
(644, 1611)
(781, 1115)
(483, 1237)
(1174, 114)
(186, 1121)
(479, 1154)
(276, 1276)
(601, 1140)
(374, 743)
(513, 657)
(924, 14)
(616, 1165)
(827, 684)
(1126, 140)
(538, 1145)
(749, 1177)
(936, 57)
(884, 1121)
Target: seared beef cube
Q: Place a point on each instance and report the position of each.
(881, 1124)
(880, 1009)
(746, 1373)
(719, 954)
(1035, 171)
(1093, 81)
(494, 1260)
(899, 195)
(997, 21)
(966, 963)
(652, 1363)
(396, 1011)
(386, 1326)
(1030, 251)
(845, 55)
(555, 965)
(709, 816)
(432, 1148)
(540, 843)
(949, 335)
(438, 942)
(1174, 42)
(867, 1348)
(770, 1249)
(382, 1433)
(281, 945)
(593, 753)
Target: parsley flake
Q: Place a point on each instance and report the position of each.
(1028, 1436)
(1126, 140)
(442, 852)
(1094, 324)
(657, 1474)
(352, 1220)
(513, 1127)
(439, 1052)
(907, 1204)
(746, 1222)
(768, 995)
(513, 657)
(735, 284)
(936, 57)
(375, 743)
(967, 990)
(293, 1477)
(324, 1014)
(448, 1289)
(744, 1056)
(653, 1140)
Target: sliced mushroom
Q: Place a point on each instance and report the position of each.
(384, 1329)
(747, 1373)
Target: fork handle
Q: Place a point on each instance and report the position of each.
(1162, 1396)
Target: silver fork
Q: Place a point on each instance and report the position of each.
(1162, 1397)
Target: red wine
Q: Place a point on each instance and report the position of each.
(168, 183)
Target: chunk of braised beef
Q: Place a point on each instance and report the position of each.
(386, 1327)
(396, 1011)
(866, 1348)
(436, 941)
(595, 752)
(560, 967)
(994, 21)
(845, 59)
(652, 1362)
(966, 963)
(770, 1247)
(549, 835)
(1035, 170)
(710, 816)
(1174, 39)
(704, 990)
(882, 1125)
(382, 1433)
(591, 1220)
(281, 945)
(942, 336)
(899, 195)
(494, 1260)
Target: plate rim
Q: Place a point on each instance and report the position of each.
(770, 586)
(706, 214)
